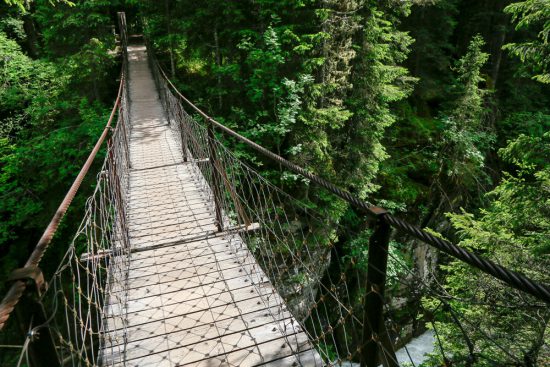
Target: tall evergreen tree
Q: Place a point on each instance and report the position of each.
(378, 81)
(465, 138)
(535, 52)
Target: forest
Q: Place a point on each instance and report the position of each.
(437, 110)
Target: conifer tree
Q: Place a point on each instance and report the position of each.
(465, 138)
(378, 80)
(535, 52)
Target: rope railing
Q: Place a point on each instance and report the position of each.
(39, 338)
(513, 279)
(294, 247)
(18, 287)
(370, 316)
(329, 302)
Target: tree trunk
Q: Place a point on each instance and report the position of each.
(32, 38)
(171, 44)
(499, 30)
(498, 55)
(218, 63)
(95, 88)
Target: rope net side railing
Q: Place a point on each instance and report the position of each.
(88, 288)
(85, 294)
(322, 285)
(68, 320)
(293, 247)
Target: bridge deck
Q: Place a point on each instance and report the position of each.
(194, 297)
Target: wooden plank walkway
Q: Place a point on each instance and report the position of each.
(193, 297)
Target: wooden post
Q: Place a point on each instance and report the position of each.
(374, 331)
(123, 36)
(124, 133)
(183, 135)
(120, 208)
(216, 177)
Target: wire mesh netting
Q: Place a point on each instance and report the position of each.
(197, 259)
(324, 286)
(94, 266)
(293, 247)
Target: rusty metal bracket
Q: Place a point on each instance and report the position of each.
(30, 273)
(32, 316)
(378, 211)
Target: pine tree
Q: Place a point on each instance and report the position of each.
(536, 52)
(378, 80)
(503, 326)
(465, 139)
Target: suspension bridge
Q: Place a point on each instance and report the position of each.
(186, 256)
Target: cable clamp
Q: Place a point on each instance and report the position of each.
(30, 273)
(378, 211)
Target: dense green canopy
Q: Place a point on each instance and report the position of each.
(435, 109)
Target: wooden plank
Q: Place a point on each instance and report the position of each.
(306, 358)
(179, 272)
(186, 189)
(238, 348)
(223, 284)
(157, 207)
(165, 255)
(216, 292)
(140, 187)
(253, 352)
(175, 232)
(189, 335)
(188, 287)
(140, 229)
(186, 295)
(173, 307)
(214, 252)
(189, 281)
(192, 193)
(213, 240)
(208, 245)
(169, 218)
(162, 239)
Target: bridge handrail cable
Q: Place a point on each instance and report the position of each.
(18, 287)
(510, 277)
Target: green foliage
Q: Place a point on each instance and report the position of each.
(24, 4)
(90, 65)
(13, 27)
(50, 117)
(513, 230)
(380, 81)
(23, 81)
(398, 264)
(468, 105)
(432, 25)
(328, 350)
(524, 122)
(465, 139)
(536, 52)
(67, 28)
